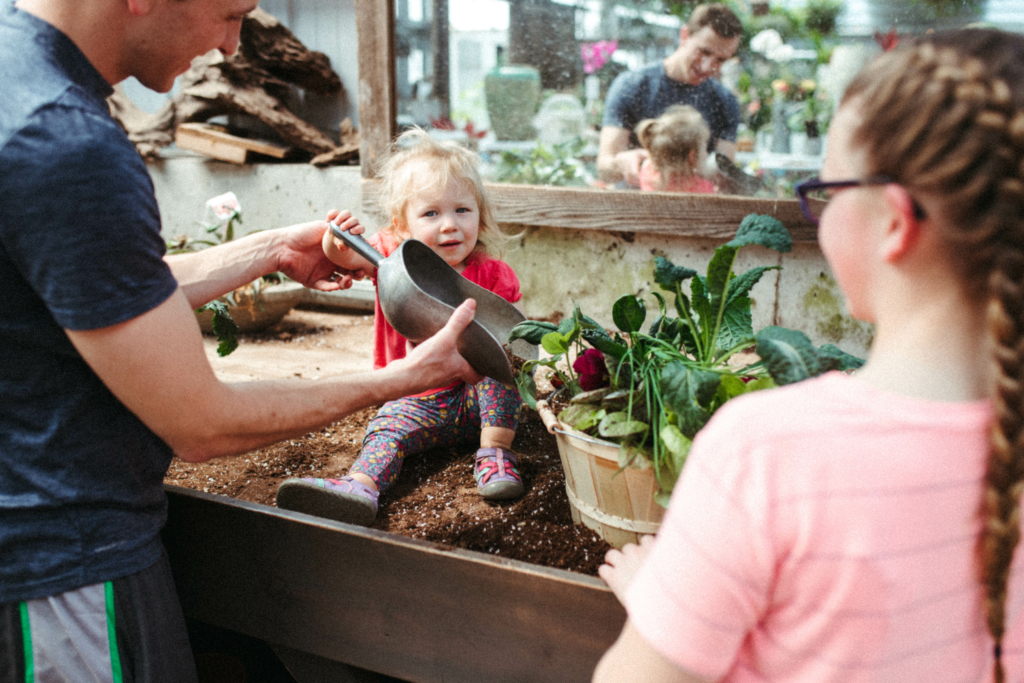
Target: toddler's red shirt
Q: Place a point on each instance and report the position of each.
(490, 273)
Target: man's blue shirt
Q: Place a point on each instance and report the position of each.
(646, 93)
(81, 497)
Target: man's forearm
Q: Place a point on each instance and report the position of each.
(608, 169)
(243, 416)
(205, 275)
(156, 366)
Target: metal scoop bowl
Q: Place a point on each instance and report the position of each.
(418, 291)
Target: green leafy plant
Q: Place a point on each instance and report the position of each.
(543, 165)
(665, 383)
(820, 16)
(224, 326)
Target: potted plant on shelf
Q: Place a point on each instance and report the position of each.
(623, 445)
(253, 307)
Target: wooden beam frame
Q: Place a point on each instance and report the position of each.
(378, 101)
(692, 215)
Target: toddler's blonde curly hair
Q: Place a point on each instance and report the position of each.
(447, 161)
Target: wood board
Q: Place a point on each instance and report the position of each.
(217, 143)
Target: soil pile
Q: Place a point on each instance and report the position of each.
(435, 497)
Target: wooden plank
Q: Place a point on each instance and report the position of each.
(377, 94)
(216, 143)
(690, 215)
(382, 602)
(202, 144)
(440, 49)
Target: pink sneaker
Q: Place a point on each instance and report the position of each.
(496, 475)
(343, 500)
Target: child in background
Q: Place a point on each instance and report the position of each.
(432, 192)
(676, 144)
(863, 528)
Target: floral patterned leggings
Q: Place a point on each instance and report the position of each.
(449, 417)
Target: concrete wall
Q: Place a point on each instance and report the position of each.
(271, 195)
(556, 266)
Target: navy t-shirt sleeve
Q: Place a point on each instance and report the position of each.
(82, 224)
(621, 103)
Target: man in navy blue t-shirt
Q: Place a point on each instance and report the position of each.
(103, 376)
(687, 76)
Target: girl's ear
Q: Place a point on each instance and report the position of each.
(904, 227)
(398, 229)
(693, 158)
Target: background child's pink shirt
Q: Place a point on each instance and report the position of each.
(650, 180)
(825, 532)
(491, 274)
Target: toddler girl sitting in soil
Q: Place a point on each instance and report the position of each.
(432, 192)
(676, 144)
(864, 528)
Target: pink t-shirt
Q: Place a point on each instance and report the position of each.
(825, 532)
(650, 180)
(490, 273)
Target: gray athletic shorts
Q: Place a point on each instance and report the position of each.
(130, 629)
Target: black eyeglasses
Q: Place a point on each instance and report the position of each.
(814, 194)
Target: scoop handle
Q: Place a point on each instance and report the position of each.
(358, 244)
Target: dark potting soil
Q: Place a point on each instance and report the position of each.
(435, 497)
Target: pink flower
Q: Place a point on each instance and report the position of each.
(592, 370)
(595, 55)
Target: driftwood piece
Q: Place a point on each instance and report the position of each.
(208, 90)
(267, 44)
(148, 132)
(257, 81)
(347, 150)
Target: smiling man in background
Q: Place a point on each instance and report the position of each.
(103, 375)
(688, 76)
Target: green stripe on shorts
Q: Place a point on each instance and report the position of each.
(26, 640)
(115, 657)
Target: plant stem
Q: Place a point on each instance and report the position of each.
(731, 352)
(694, 332)
(721, 309)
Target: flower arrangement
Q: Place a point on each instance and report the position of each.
(223, 214)
(445, 123)
(595, 55)
(652, 391)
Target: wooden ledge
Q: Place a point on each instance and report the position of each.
(675, 213)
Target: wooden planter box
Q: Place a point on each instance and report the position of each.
(382, 602)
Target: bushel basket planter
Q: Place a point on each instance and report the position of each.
(618, 503)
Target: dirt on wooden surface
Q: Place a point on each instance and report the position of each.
(435, 496)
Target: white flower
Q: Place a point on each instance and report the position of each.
(766, 41)
(781, 53)
(224, 206)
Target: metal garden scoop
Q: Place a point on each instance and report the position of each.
(418, 291)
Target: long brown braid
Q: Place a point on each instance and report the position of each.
(945, 118)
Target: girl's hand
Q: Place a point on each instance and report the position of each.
(335, 249)
(298, 254)
(621, 566)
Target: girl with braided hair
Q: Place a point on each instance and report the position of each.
(863, 528)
